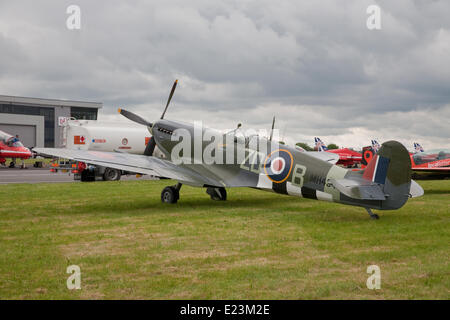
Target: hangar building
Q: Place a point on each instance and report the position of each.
(37, 121)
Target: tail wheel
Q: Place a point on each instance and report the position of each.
(217, 194)
(170, 195)
(111, 174)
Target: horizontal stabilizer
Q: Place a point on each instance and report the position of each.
(361, 190)
(415, 190)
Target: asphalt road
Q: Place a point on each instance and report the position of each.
(34, 175)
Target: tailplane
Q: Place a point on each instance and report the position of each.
(417, 147)
(320, 146)
(375, 145)
(390, 168)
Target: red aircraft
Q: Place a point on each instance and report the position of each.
(432, 161)
(11, 147)
(347, 157)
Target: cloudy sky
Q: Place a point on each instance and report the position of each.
(313, 64)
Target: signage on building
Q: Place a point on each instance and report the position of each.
(62, 121)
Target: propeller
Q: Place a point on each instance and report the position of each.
(271, 131)
(134, 117)
(170, 98)
(150, 148)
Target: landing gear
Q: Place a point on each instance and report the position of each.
(171, 194)
(372, 215)
(111, 174)
(87, 176)
(218, 194)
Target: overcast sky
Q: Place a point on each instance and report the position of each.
(313, 64)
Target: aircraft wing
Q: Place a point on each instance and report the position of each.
(132, 163)
(325, 156)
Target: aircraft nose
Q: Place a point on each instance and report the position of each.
(26, 151)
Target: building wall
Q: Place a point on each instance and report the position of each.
(50, 110)
(22, 110)
(60, 111)
(21, 125)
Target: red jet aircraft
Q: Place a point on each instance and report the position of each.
(432, 161)
(437, 160)
(347, 157)
(11, 147)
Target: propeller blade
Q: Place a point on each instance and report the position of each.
(134, 117)
(273, 126)
(170, 98)
(150, 148)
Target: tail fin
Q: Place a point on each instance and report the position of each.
(418, 147)
(375, 145)
(391, 169)
(320, 145)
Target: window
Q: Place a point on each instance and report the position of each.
(83, 113)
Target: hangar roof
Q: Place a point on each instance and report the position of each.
(49, 102)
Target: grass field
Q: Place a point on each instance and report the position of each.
(257, 245)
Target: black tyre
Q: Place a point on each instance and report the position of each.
(170, 195)
(111, 174)
(87, 176)
(217, 194)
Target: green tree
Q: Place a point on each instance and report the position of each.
(332, 146)
(304, 146)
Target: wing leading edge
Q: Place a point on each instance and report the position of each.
(132, 163)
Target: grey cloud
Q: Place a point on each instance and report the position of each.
(313, 64)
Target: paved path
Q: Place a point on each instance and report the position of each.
(33, 175)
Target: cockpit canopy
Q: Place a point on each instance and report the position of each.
(431, 155)
(245, 138)
(9, 140)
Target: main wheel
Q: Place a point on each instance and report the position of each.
(111, 174)
(217, 194)
(170, 195)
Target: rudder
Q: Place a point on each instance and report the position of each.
(391, 168)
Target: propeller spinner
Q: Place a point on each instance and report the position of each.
(138, 119)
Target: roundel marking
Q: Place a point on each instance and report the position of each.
(278, 165)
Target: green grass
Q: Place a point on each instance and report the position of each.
(257, 245)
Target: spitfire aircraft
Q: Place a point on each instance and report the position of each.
(385, 184)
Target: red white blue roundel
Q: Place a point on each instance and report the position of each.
(278, 165)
